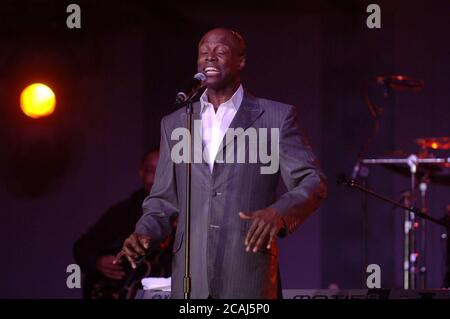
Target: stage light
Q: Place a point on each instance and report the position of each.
(37, 100)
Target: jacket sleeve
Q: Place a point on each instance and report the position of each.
(162, 202)
(305, 182)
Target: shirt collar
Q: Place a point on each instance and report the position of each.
(235, 101)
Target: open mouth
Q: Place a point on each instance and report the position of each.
(211, 71)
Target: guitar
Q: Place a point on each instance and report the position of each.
(155, 264)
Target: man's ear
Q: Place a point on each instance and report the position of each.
(242, 61)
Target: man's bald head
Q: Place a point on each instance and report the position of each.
(226, 36)
(221, 57)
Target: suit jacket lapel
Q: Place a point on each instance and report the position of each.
(248, 113)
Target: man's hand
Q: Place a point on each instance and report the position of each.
(266, 225)
(134, 247)
(106, 267)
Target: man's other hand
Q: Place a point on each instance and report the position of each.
(135, 246)
(266, 225)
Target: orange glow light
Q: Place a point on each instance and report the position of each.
(37, 100)
(434, 145)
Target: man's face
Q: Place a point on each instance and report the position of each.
(148, 169)
(220, 58)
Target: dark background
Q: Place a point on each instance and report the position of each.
(117, 76)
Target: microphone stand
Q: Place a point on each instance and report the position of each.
(411, 212)
(417, 212)
(187, 99)
(187, 225)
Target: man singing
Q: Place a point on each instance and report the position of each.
(235, 217)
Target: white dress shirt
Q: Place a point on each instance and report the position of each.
(215, 124)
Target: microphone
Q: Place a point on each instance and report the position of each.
(191, 90)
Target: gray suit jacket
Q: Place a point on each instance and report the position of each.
(220, 266)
